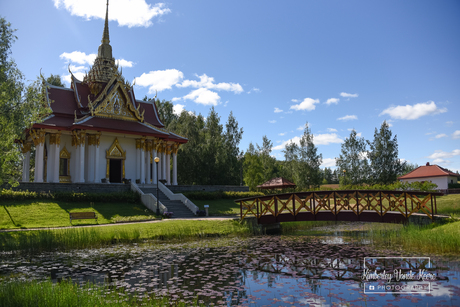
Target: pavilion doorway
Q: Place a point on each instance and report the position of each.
(115, 171)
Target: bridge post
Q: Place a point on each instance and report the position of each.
(293, 207)
(381, 210)
(276, 208)
(405, 201)
(357, 205)
(432, 209)
(335, 205)
(257, 205)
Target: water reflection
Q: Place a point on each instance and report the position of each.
(261, 271)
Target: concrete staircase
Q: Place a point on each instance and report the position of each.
(174, 206)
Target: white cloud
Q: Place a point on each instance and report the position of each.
(413, 112)
(307, 104)
(203, 96)
(78, 57)
(318, 139)
(178, 108)
(439, 154)
(272, 121)
(328, 162)
(456, 134)
(347, 95)
(331, 130)
(283, 144)
(159, 80)
(282, 133)
(332, 100)
(278, 110)
(208, 82)
(176, 99)
(294, 100)
(442, 135)
(131, 13)
(326, 139)
(301, 127)
(77, 71)
(348, 117)
(255, 90)
(124, 63)
(449, 123)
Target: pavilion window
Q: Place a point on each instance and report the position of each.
(63, 167)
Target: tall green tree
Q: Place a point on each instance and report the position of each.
(383, 156)
(268, 162)
(20, 106)
(253, 168)
(352, 164)
(310, 160)
(55, 80)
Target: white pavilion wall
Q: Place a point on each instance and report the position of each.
(128, 145)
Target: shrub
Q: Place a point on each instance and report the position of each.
(130, 197)
(199, 195)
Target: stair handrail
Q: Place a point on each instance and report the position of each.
(179, 196)
(148, 200)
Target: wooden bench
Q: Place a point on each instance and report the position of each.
(82, 216)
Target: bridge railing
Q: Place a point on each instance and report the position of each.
(368, 205)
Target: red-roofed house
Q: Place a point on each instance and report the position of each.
(431, 173)
(98, 131)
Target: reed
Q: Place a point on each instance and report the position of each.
(67, 293)
(94, 237)
(432, 239)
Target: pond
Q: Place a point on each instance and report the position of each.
(257, 271)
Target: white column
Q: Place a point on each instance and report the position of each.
(50, 163)
(91, 158)
(174, 168)
(76, 163)
(82, 161)
(154, 168)
(138, 158)
(163, 165)
(57, 151)
(39, 162)
(168, 168)
(147, 163)
(142, 160)
(26, 163)
(96, 161)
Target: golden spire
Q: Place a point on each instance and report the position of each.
(105, 35)
(105, 50)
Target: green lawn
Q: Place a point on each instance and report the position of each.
(219, 207)
(31, 213)
(449, 205)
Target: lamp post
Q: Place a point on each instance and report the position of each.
(158, 200)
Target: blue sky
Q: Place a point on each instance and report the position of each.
(339, 65)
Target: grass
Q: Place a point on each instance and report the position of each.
(95, 237)
(66, 293)
(430, 239)
(219, 207)
(449, 205)
(36, 213)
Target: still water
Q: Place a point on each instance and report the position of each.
(259, 271)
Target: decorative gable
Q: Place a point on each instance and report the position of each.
(114, 102)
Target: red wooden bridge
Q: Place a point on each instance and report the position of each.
(347, 205)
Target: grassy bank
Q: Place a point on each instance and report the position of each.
(431, 239)
(94, 237)
(449, 205)
(66, 293)
(36, 213)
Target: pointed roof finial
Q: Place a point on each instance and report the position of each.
(105, 35)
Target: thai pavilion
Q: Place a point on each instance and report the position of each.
(99, 132)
